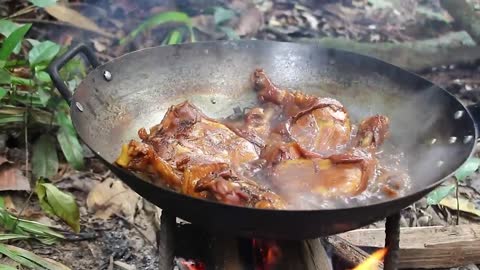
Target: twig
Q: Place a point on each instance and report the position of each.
(58, 23)
(347, 251)
(80, 236)
(22, 12)
(25, 121)
(458, 202)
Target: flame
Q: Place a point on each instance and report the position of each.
(371, 263)
(267, 254)
(189, 264)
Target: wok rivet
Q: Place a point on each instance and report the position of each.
(213, 100)
(79, 106)
(433, 141)
(107, 75)
(458, 114)
(452, 139)
(467, 139)
(439, 163)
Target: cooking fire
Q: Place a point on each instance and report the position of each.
(267, 254)
(183, 264)
(372, 262)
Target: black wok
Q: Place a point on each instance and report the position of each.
(434, 130)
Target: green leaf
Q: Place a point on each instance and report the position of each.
(33, 42)
(67, 138)
(6, 28)
(159, 19)
(439, 194)
(3, 92)
(43, 77)
(30, 259)
(28, 228)
(58, 203)
(43, 96)
(43, 3)
(12, 236)
(44, 157)
(43, 53)
(175, 37)
(221, 15)
(11, 119)
(5, 77)
(42, 197)
(12, 41)
(7, 267)
(22, 81)
(18, 258)
(467, 169)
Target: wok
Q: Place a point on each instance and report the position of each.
(434, 130)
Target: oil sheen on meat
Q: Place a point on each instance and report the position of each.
(291, 151)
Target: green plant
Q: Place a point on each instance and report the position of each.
(170, 17)
(182, 21)
(467, 169)
(19, 228)
(29, 102)
(58, 203)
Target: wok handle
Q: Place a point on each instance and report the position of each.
(58, 63)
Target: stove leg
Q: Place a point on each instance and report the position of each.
(166, 241)
(392, 241)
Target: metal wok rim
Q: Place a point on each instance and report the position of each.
(397, 200)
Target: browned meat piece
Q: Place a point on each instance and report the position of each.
(142, 158)
(294, 104)
(257, 124)
(277, 150)
(373, 131)
(320, 132)
(228, 188)
(340, 175)
(187, 149)
(187, 137)
(319, 125)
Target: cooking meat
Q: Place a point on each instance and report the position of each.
(319, 125)
(290, 144)
(373, 131)
(188, 150)
(187, 137)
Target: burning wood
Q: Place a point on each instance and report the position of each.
(183, 264)
(267, 254)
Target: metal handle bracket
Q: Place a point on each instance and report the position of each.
(58, 63)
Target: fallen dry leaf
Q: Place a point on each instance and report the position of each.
(112, 197)
(464, 204)
(249, 22)
(9, 204)
(11, 178)
(68, 15)
(206, 24)
(99, 47)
